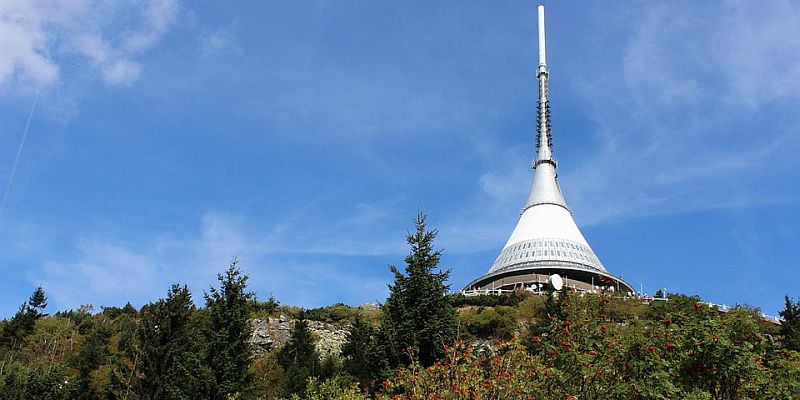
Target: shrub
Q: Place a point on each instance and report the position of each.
(490, 322)
(532, 308)
(487, 300)
(335, 313)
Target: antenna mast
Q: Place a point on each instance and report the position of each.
(544, 140)
(542, 52)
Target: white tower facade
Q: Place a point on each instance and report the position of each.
(546, 240)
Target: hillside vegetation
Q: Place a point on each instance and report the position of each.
(422, 343)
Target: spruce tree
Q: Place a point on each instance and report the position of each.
(418, 320)
(171, 349)
(92, 354)
(299, 358)
(790, 326)
(229, 330)
(25, 319)
(362, 356)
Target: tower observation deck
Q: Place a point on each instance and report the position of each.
(546, 241)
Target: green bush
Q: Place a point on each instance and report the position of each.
(531, 308)
(264, 309)
(486, 300)
(335, 313)
(490, 322)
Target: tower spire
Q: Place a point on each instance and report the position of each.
(544, 138)
(545, 189)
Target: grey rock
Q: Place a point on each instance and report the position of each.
(270, 334)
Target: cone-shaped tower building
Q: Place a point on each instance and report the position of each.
(546, 241)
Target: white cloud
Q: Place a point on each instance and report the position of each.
(681, 122)
(107, 271)
(102, 272)
(219, 42)
(761, 49)
(745, 52)
(157, 15)
(121, 72)
(23, 50)
(279, 260)
(36, 35)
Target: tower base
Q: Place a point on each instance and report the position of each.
(533, 278)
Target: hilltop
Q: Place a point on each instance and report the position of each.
(554, 347)
(421, 343)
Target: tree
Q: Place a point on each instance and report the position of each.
(36, 383)
(171, 349)
(92, 354)
(299, 358)
(361, 352)
(51, 341)
(228, 332)
(418, 320)
(25, 319)
(790, 326)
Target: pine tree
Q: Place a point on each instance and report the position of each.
(790, 326)
(229, 330)
(171, 347)
(418, 320)
(25, 319)
(299, 358)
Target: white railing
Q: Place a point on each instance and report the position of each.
(721, 307)
(726, 308)
(478, 292)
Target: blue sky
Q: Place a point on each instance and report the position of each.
(168, 136)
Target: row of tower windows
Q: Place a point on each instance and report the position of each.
(550, 248)
(545, 244)
(539, 253)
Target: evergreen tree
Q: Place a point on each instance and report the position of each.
(418, 319)
(25, 319)
(790, 326)
(171, 349)
(92, 354)
(36, 383)
(299, 358)
(362, 356)
(330, 367)
(229, 330)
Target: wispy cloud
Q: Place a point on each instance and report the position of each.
(280, 260)
(37, 36)
(219, 42)
(683, 133)
(102, 272)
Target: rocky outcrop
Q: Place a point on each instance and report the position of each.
(330, 337)
(270, 334)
